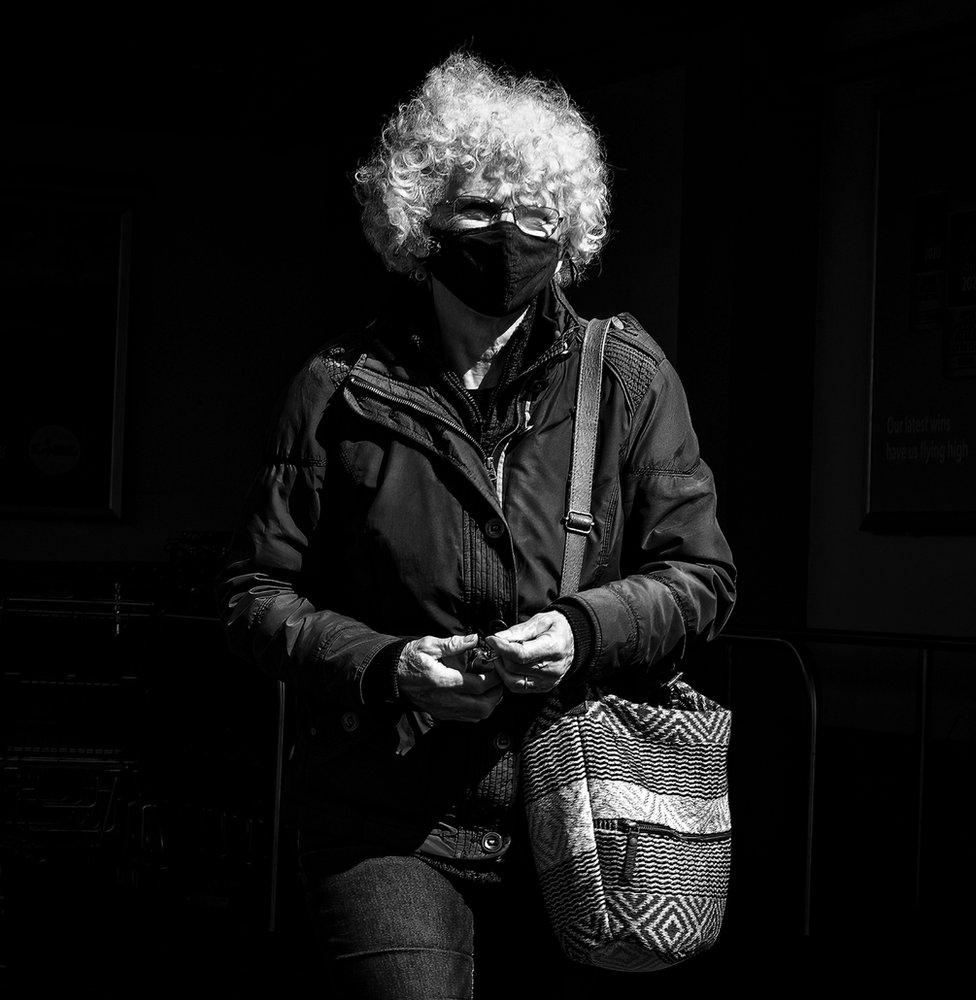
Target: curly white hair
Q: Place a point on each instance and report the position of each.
(468, 115)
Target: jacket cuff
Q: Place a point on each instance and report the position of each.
(378, 684)
(584, 635)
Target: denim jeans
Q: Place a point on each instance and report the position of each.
(394, 926)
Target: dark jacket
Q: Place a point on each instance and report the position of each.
(376, 517)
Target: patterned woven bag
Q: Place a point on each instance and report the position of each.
(628, 814)
(626, 801)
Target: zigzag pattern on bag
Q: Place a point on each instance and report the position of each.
(664, 724)
(681, 774)
(642, 895)
(684, 724)
(556, 758)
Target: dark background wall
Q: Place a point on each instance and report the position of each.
(742, 152)
(235, 155)
(247, 243)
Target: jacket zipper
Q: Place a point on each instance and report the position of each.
(497, 470)
(522, 424)
(635, 827)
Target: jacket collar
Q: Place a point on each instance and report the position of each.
(393, 386)
(402, 349)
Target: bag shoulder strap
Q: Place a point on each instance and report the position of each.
(578, 519)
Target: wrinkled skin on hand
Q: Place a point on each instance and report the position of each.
(457, 677)
(440, 677)
(534, 655)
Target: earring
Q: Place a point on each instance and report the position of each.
(573, 273)
(419, 274)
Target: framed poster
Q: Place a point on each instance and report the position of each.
(922, 441)
(64, 292)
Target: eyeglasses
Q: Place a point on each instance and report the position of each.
(468, 212)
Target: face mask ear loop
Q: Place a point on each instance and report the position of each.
(420, 272)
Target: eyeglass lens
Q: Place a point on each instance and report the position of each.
(475, 213)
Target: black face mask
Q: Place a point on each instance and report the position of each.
(495, 271)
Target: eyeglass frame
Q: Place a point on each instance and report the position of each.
(503, 207)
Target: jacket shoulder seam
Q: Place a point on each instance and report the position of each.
(631, 356)
(630, 332)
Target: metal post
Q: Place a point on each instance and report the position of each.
(813, 723)
(276, 821)
(922, 728)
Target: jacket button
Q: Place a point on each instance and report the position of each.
(350, 721)
(313, 731)
(617, 322)
(491, 842)
(502, 741)
(495, 528)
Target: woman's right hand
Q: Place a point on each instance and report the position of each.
(431, 675)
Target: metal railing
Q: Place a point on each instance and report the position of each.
(793, 640)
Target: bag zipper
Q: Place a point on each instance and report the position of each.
(635, 827)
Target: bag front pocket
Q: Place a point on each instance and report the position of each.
(656, 858)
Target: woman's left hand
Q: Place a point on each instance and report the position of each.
(534, 655)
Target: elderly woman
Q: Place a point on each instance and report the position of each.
(400, 562)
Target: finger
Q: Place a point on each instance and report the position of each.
(446, 678)
(545, 647)
(519, 683)
(529, 629)
(440, 675)
(453, 644)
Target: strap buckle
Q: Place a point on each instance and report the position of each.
(579, 522)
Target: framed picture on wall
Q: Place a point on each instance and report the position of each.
(64, 301)
(922, 441)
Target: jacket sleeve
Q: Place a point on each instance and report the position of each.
(262, 587)
(679, 585)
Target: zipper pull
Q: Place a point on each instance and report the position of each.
(630, 856)
(490, 465)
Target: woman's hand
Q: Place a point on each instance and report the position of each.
(535, 654)
(431, 674)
